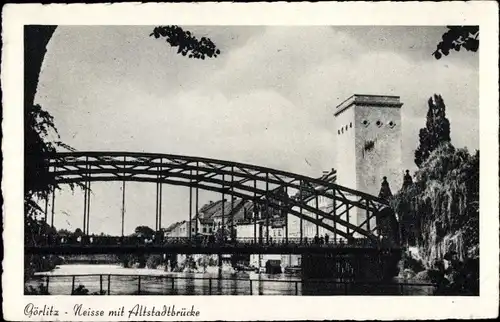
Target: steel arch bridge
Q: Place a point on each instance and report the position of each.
(248, 182)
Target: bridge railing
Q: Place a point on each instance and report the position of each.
(202, 241)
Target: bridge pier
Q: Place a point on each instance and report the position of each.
(373, 266)
(172, 257)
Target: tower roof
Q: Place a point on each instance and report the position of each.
(371, 100)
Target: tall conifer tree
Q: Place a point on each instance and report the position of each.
(436, 130)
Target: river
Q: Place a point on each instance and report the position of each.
(126, 281)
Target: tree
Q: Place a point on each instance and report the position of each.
(436, 131)
(458, 37)
(187, 43)
(443, 200)
(144, 231)
(64, 232)
(38, 124)
(78, 232)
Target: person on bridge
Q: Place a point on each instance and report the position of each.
(326, 238)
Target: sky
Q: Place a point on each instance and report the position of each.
(268, 100)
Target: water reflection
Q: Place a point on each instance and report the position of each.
(115, 281)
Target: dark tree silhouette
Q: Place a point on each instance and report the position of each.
(187, 43)
(78, 232)
(64, 232)
(38, 124)
(436, 131)
(458, 37)
(144, 231)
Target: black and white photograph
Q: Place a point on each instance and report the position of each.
(250, 160)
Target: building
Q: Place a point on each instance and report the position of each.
(368, 132)
(310, 230)
(176, 230)
(206, 226)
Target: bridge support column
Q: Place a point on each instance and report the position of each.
(219, 264)
(347, 217)
(371, 265)
(159, 201)
(255, 212)
(234, 260)
(317, 208)
(334, 211)
(231, 234)
(301, 221)
(267, 208)
(86, 204)
(53, 206)
(84, 228)
(286, 215)
(46, 208)
(196, 203)
(223, 209)
(190, 203)
(123, 208)
(88, 208)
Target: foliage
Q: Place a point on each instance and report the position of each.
(40, 290)
(436, 131)
(408, 262)
(187, 43)
(144, 231)
(82, 290)
(460, 278)
(40, 136)
(127, 260)
(64, 232)
(39, 263)
(153, 261)
(444, 198)
(78, 232)
(222, 234)
(190, 263)
(458, 37)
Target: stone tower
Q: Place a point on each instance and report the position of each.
(368, 145)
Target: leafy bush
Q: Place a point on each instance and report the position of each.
(153, 261)
(82, 290)
(40, 290)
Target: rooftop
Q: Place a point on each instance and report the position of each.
(174, 225)
(372, 100)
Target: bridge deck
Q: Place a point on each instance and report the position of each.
(205, 249)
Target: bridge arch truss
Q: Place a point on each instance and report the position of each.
(248, 182)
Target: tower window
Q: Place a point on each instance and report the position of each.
(392, 124)
(342, 130)
(379, 124)
(350, 125)
(338, 131)
(346, 127)
(365, 123)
